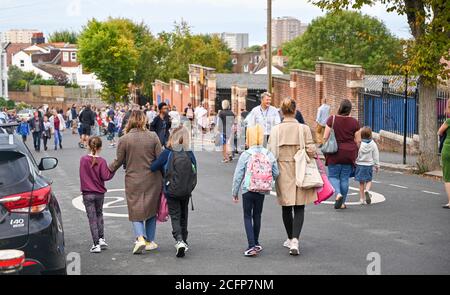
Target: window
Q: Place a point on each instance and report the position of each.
(234, 61)
(22, 63)
(73, 56)
(245, 68)
(65, 56)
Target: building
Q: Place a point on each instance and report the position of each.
(38, 38)
(245, 62)
(235, 41)
(3, 72)
(18, 36)
(285, 29)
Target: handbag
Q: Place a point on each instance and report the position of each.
(163, 210)
(331, 146)
(327, 190)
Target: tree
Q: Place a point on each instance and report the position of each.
(429, 23)
(108, 50)
(254, 48)
(345, 37)
(19, 80)
(65, 36)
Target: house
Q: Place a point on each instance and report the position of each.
(245, 62)
(51, 59)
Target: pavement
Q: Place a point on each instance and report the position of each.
(407, 227)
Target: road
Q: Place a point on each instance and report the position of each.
(408, 229)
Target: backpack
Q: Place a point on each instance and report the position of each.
(258, 176)
(181, 175)
(190, 113)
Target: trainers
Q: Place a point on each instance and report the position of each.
(368, 197)
(96, 249)
(139, 246)
(181, 249)
(294, 250)
(251, 252)
(287, 243)
(187, 246)
(259, 248)
(102, 243)
(150, 246)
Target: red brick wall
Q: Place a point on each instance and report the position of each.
(161, 90)
(281, 90)
(305, 93)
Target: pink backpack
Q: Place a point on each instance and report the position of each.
(258, 177)
(163, 211)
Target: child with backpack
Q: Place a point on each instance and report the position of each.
(94, 172)
(23, 129)
(368, 159)
(179, 168)
(111, 131)
(257, 169)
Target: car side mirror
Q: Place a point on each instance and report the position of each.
(48, 164)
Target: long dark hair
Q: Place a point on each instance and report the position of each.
(345, 108)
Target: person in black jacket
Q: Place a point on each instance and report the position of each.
(37, 127)
(87, 120)
(162, 124)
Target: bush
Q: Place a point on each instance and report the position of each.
(40, 81)
(22, 106)
(9, 104)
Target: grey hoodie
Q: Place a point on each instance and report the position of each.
(368, 154)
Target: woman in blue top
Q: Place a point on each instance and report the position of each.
(178, 207)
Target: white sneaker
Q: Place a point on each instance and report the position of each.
(294, 251)
(150, 246)
(102, 243)
(96, 249)
(287, 243)
(181, 249)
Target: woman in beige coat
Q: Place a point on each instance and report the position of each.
(286, 139)
(138, 148)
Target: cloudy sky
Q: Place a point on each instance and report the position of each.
(205, 16)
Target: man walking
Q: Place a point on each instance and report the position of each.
(87, 120)
(323, 113)
(265, 115)
(37, 126)
(162, 124)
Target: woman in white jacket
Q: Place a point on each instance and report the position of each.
(58, 125)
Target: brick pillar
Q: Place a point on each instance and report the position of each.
(212, 92)
(293, 85)
(242, 99)
(319, 84)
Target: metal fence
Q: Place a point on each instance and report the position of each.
(385, 110)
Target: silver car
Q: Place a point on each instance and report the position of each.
(25, 114)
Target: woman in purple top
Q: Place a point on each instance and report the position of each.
(94, 172)
(341, 164)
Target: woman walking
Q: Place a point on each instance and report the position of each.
(178, 153)
(341, 164)
(58, 124)
(446, 154)
(286, 139)
(225, 125)
(138, 148)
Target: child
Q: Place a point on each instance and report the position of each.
(23, 129)
(368, 157)
(46, 135)
(258, 168)
(111, 131)
(94, 172)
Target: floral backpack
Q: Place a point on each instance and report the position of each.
(258, 177)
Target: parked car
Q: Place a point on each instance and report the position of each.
(30, 216)
(27, 114)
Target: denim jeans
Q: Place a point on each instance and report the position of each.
(339, 176)
(253, 206)
(146, 229)
(58, 138)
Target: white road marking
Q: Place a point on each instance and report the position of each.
(431, 193)
(399, 186)
(78, 204)
(374, 181)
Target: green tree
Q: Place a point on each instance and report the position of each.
(19, 80)
(345, 37)
(254, 48)
(66, 36)
(429, 23)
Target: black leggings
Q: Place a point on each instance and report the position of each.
(293, 222)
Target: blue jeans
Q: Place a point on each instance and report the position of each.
(58, 138)
(339, 176)
(146, 229)
(253, 206)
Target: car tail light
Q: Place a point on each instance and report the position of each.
(11, 261)
(29, 202)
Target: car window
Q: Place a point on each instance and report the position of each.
(13, 168)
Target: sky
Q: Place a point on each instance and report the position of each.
(204, 16)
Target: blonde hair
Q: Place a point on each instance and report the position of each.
(138, 120)
(179, 139)
(255, 135)
(288, 107)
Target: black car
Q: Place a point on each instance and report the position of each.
(30, 216)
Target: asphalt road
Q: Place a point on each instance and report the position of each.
(409, 229)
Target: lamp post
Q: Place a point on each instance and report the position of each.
(405, 127)
(269, 46)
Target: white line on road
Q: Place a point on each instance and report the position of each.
(374, 181)
(431, 193)
(399, 186)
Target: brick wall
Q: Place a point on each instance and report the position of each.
(281, 90)
(161, 92)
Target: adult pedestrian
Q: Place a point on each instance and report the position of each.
(177, 161)
(87, 120)
(201, 116)
(174, 114)
(138, 148)
(151, 114)
(265, 115)
(161, 124)
(323, 113)
(445, 130)
(341, 164)
(74, 117)
(57, 123)
(37, 127)
(226, 120)
(286, 139)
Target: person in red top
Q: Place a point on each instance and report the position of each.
(94, 172)
(341, 164)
